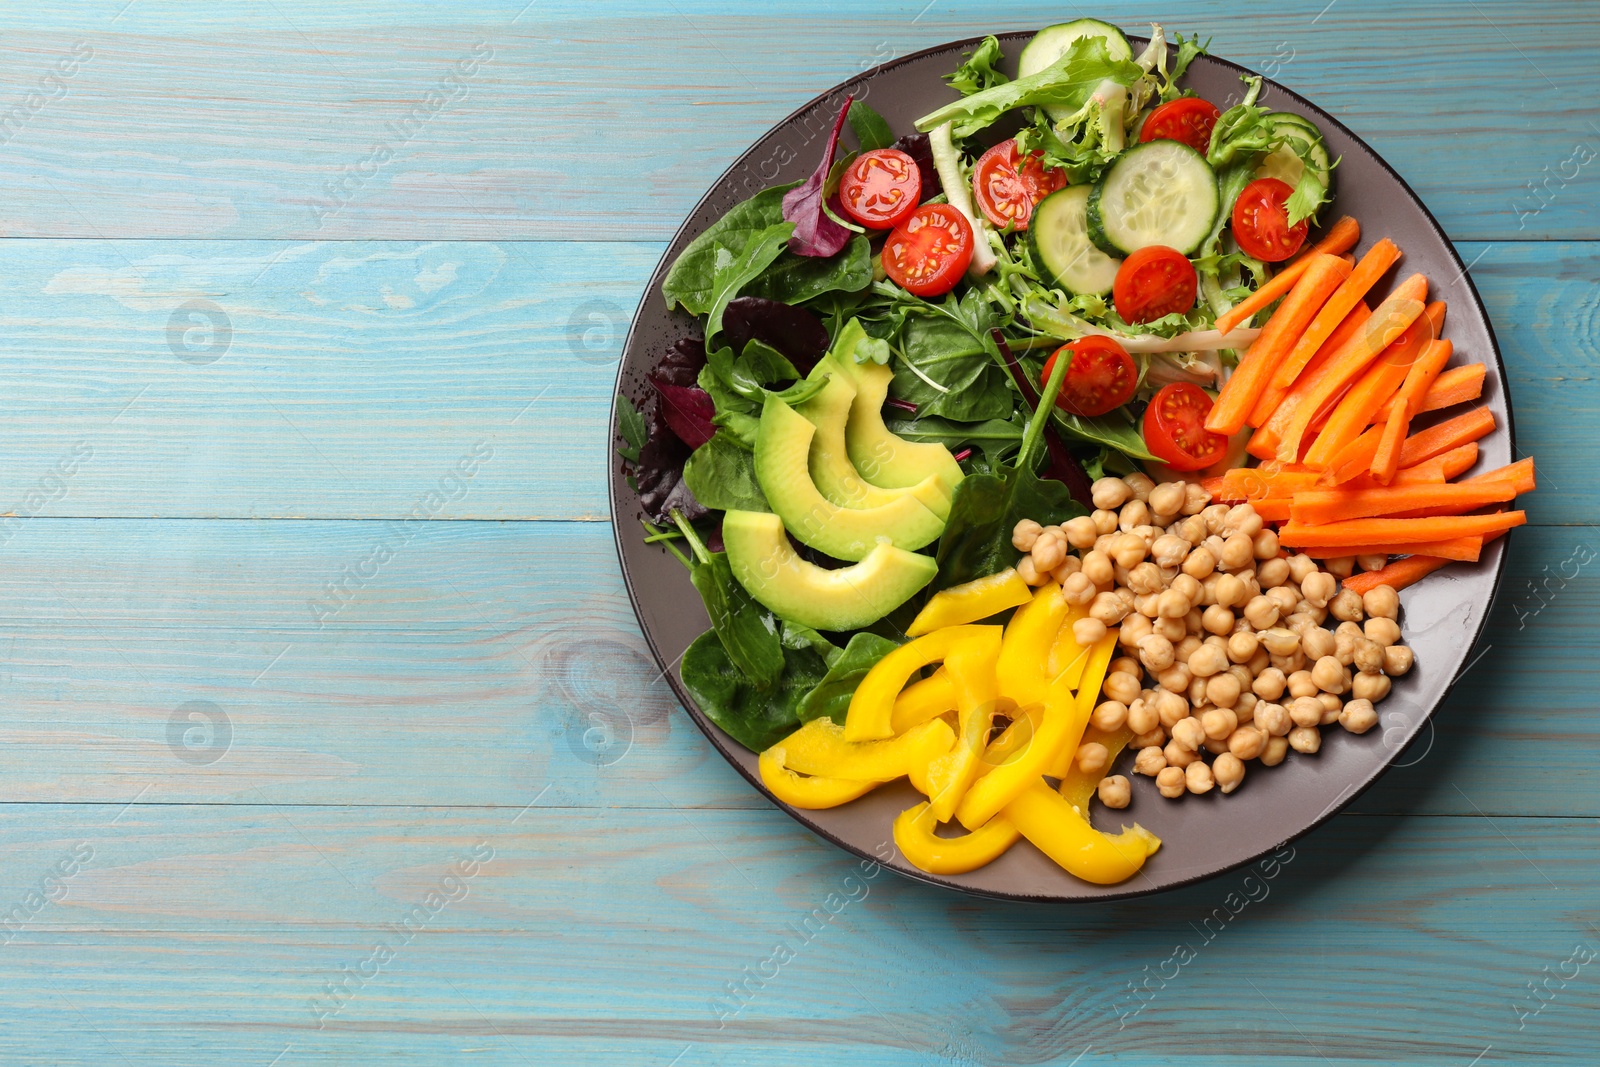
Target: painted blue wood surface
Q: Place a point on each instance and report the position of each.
(220, 790)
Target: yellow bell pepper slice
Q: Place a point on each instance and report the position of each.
(1094, 673)
(971, 666)
(971, 601)
(820, 748)
(871, 714)
(1078, 787)
(1067, 657)
(812, 793)
(1057, 829)
(924, 700)
(1062, 725)
(1025, 652)
(913, 833)
(1012, 744)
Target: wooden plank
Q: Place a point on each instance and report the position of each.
(483, 663)
(199, 935)
(230, 120)
(358, 375)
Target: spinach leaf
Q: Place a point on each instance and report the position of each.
(1113, 431)
(755, 718)
(979, 71)
(722, 475)
(746, 630)
(870, 129)
(727, 282)
(799, 637)
(739, 427)
(689, 281)
(796, 279)
(632, 425)
(831, 697)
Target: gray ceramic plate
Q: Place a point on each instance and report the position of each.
(1203, 836)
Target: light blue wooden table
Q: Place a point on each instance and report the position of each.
(309, 316)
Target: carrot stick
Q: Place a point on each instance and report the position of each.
(1342, 237)
(1422, 374)
(1454, 386)
(1389, 320)
(1452, 433)
(1321, 506)
(1255, 370)
(1514, 479)
(1465, 549)
(1387, 374)
(1273, 509)
(1450, 464)
(1397, 575)
(1354, 459)
(1379, 258)
(1356, 532)
(1273, 411)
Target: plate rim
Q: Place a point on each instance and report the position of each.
(945, 882)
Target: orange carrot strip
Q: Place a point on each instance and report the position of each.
(1514, 479)
(1450, 464)
(1465, 549)
(1356, 532)
(1379, 258)
(1353, 459)
(1318, 507)
(1255, 370)
(1387, 374)
(1427, 367)
(1397, 575)
(1342, 237)
(1272, 509)
(1389, 320)
(1452, 433)
(1276, 406)
(1455, 386)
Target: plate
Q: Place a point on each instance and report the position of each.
(1202, 836)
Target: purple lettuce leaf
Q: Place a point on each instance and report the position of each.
(795, 332)
(815, 234)
(659, 473)
(920, 149)
(684, 406)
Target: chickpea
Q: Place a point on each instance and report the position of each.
(1135, 628)
(1243, 519)
(1146, 578)
(1200, 563)
(1273, 573)
(1346, 607)
(1105, 522)
(1329, 675)
(1283, 598)
(1156, 653)
(1247, 742)
(1270, 684)
(1215, 516)
(1197, 776)
(1167, 498)
(1208, 660)
(1109, 716)
(1081, 532)
(1301, 567)
(1179, 755)
(1188, 646)
(1216, 747)
(1128, 550)
(1373, 687)
(1231, 591)
(1217, 620)
(1369, 657)
(1242, 646)
(1149, 762)
(1115, 792)
(1097, 567)
(1340, 566)
(1223, 690)
(1246, 707)
(1171, 782)
(1265, 545)
(1274, 719)
(1229, 772)
(1295, 661)
(1135, 513)
(1029, 573)
(1305, 739)
(1277, 748)
(1172, 605)
(1302, 622)
(1382, 602)
(1110, 493)
(1176, 678)
(1192, 529)
(1088, 631)
(1318, 643)
(1195, 499)
(1171, 708)
(1025, 534)
(1397, 660)
(1108, 608)
(1301, 685)
(1121, 687)
(1383, 630)
(1068, 568)
(1078, 589)
(1237, 551)
(1049, 552)
(1124, 665)
(1142, 717)
(1188, 732)
(1218, 723)
(1141, 484)
(1306, 711)
(1358, 716)
(1155, 738)
(1318, 589)
(1331, 706)
(1169, 550)
(1280, 642)
(1172, 629)
(1261, 612)
(1188, 587)
(1345, 644)
(1259, 662)
(1093, 757)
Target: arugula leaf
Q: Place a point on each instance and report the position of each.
(831, 696)
(747, 632)
(756, 718)
(1068, 83)
(722, 475)
(690, 280)
(631, 422)
(979, 72)
(871, 131)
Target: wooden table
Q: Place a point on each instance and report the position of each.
(329, 734)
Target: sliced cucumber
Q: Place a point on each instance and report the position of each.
(1285, 163)
(1051, 43)
(1059, 236)
(1159, 193)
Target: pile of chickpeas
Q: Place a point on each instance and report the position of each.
(1225, 652)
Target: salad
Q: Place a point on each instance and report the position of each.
(967, 415)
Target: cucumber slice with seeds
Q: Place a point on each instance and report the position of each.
(1059, 237)
(1158, 193)
(1051, 43)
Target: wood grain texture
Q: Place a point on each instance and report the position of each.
(358, 374)
(283, 121)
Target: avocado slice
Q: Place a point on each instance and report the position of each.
(783, 445)
(883, 458)
(835, 476)
(767, 566)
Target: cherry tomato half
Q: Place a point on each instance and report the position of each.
(881, 188)
(1100, 377)
(1188, 119)
(1175, 428)
(1006, 191)
(1152, 282)
(929, 252)
(1261, 221)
